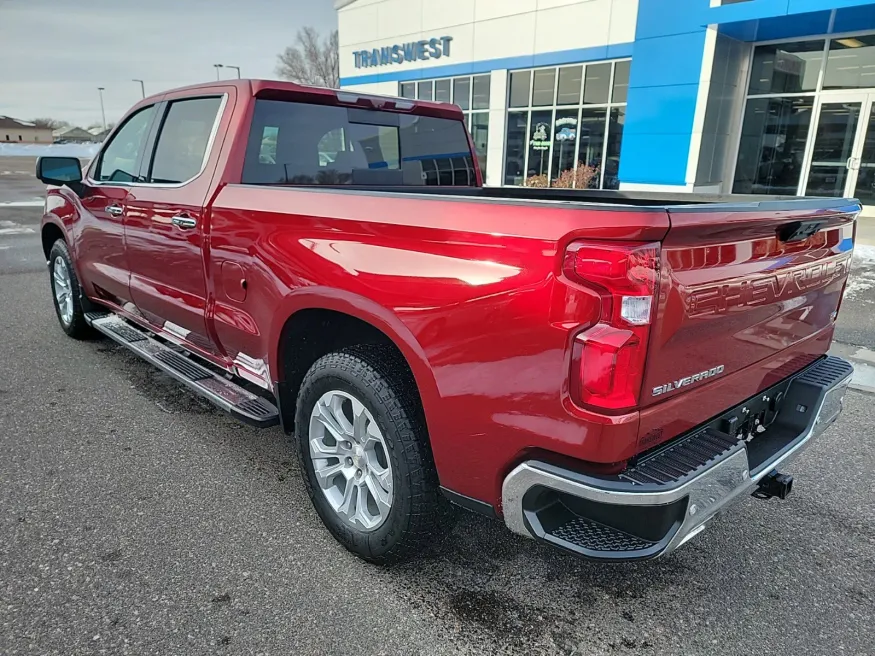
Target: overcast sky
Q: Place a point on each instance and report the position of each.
(55, 53)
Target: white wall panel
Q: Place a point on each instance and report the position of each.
(357, 24)
(624, 17)
(503, 28)
(550, 4)
(446, 13)
(497, 127)
(398, 17)
(504, 37)
(487, 9)
(552, 31)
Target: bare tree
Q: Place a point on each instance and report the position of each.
(311, 60)
(50, 123)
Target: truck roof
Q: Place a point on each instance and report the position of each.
(283, 90)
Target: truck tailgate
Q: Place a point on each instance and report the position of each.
(739, 284)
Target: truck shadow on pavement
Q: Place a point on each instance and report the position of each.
(509, 594)
(493, 585)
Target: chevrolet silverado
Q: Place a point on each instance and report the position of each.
(603, 371)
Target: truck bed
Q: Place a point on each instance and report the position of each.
(626, 199)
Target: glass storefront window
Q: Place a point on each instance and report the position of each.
(786, 67)
(424, 90)
(520, 81)
(570, 78)
(597, 84)
(462, 92)
(612, 154)
(480, 99)
(621, 82)
(467, 92)
(773, 140)
(592, 142)
(564, 145)
(442, 91)
(408, 90)
(480, 135)
(850, 63)
(564, 138)
(543, 87)
(539, 148)
(515, 148)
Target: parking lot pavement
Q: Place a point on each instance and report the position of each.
(138, 520)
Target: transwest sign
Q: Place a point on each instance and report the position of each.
(404, 52)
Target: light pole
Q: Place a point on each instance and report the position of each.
(102, 110)
(142, 87)
(218, 66)
(237, 68)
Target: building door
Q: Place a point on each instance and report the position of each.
(842, 158)
(864, 163)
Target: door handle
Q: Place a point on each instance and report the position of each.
(183, 222)
(114, 210)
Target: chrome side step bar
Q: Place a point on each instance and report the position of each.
(233, 399)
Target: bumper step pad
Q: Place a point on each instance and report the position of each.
(592, 536)
(214, 387)
(681, 459)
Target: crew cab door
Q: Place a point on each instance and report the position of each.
(100, 255)
(165, 222)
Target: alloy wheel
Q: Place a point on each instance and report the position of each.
(350, 460)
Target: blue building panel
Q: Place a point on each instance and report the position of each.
(655, 158)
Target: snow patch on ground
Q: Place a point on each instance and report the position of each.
(865, 254)
(862, 276)
(13, 228)
(41, 150)
(36, 202)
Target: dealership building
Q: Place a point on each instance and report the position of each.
(744, 96)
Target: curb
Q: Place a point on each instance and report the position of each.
(863, 360)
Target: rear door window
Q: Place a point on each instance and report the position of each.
(182, 144)
(301, 144)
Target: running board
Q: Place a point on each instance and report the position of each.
(233, 399)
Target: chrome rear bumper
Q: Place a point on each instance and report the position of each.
(619, 519)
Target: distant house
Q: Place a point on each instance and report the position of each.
(73, 135)
(13, 130)
(99, 134)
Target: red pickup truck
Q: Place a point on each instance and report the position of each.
(604, 372)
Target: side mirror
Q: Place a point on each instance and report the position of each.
(59, 171)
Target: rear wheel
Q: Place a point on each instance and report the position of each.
(365, 456)
(66, 293)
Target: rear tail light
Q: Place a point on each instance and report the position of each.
(608, 362)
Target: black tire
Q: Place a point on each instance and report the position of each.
(77, 328)
(419, 515)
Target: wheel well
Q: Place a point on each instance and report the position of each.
(50, 234)
(310, 334)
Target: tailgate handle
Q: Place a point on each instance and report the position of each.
(799, 230)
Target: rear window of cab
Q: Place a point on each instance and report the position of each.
(294, 143)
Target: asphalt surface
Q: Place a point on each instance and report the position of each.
(136, 519)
